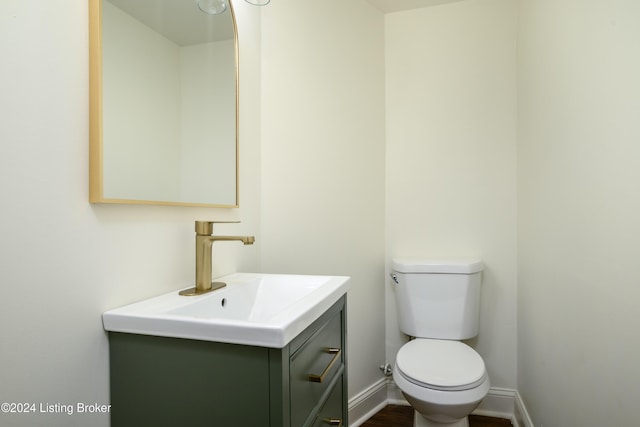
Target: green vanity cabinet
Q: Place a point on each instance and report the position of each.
(160, 381)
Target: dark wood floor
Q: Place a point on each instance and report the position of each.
(402, 416)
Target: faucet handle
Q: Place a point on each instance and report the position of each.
(205, 228)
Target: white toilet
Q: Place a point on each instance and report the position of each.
(438, 303)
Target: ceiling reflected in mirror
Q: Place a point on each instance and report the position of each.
(185, 26)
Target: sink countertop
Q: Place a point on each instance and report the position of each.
(266, 310)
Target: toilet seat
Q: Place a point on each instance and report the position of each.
(441, 364)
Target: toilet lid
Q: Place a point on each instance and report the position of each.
(441, 364)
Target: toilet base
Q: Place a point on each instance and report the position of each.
(420, 421)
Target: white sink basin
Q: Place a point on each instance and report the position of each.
(267, 310)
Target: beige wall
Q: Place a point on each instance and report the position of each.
(579, 204)
(323, 158)
(451, 165)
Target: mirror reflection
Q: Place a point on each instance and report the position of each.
(168, 104)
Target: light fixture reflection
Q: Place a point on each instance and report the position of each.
(212, 7)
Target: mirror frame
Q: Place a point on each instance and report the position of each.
(96, 167)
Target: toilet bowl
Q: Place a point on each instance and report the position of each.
(443, 380)
(438, 303)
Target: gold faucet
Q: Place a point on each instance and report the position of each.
(204, 241)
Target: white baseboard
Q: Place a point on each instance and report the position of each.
(521, 415)
(394, 395)
(366, 403)
(499, 403)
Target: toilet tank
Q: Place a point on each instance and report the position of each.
(438, 298)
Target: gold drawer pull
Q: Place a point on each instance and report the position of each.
(333, 421)
(336, 355)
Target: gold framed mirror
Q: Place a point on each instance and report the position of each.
(163, 103)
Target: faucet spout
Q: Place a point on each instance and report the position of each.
(247, 240)
(204, 243)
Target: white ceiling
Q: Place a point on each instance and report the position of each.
(388, 6)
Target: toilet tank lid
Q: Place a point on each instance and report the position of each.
(455, 265)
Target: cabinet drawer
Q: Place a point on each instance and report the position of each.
(313, 367)
(332, 412)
